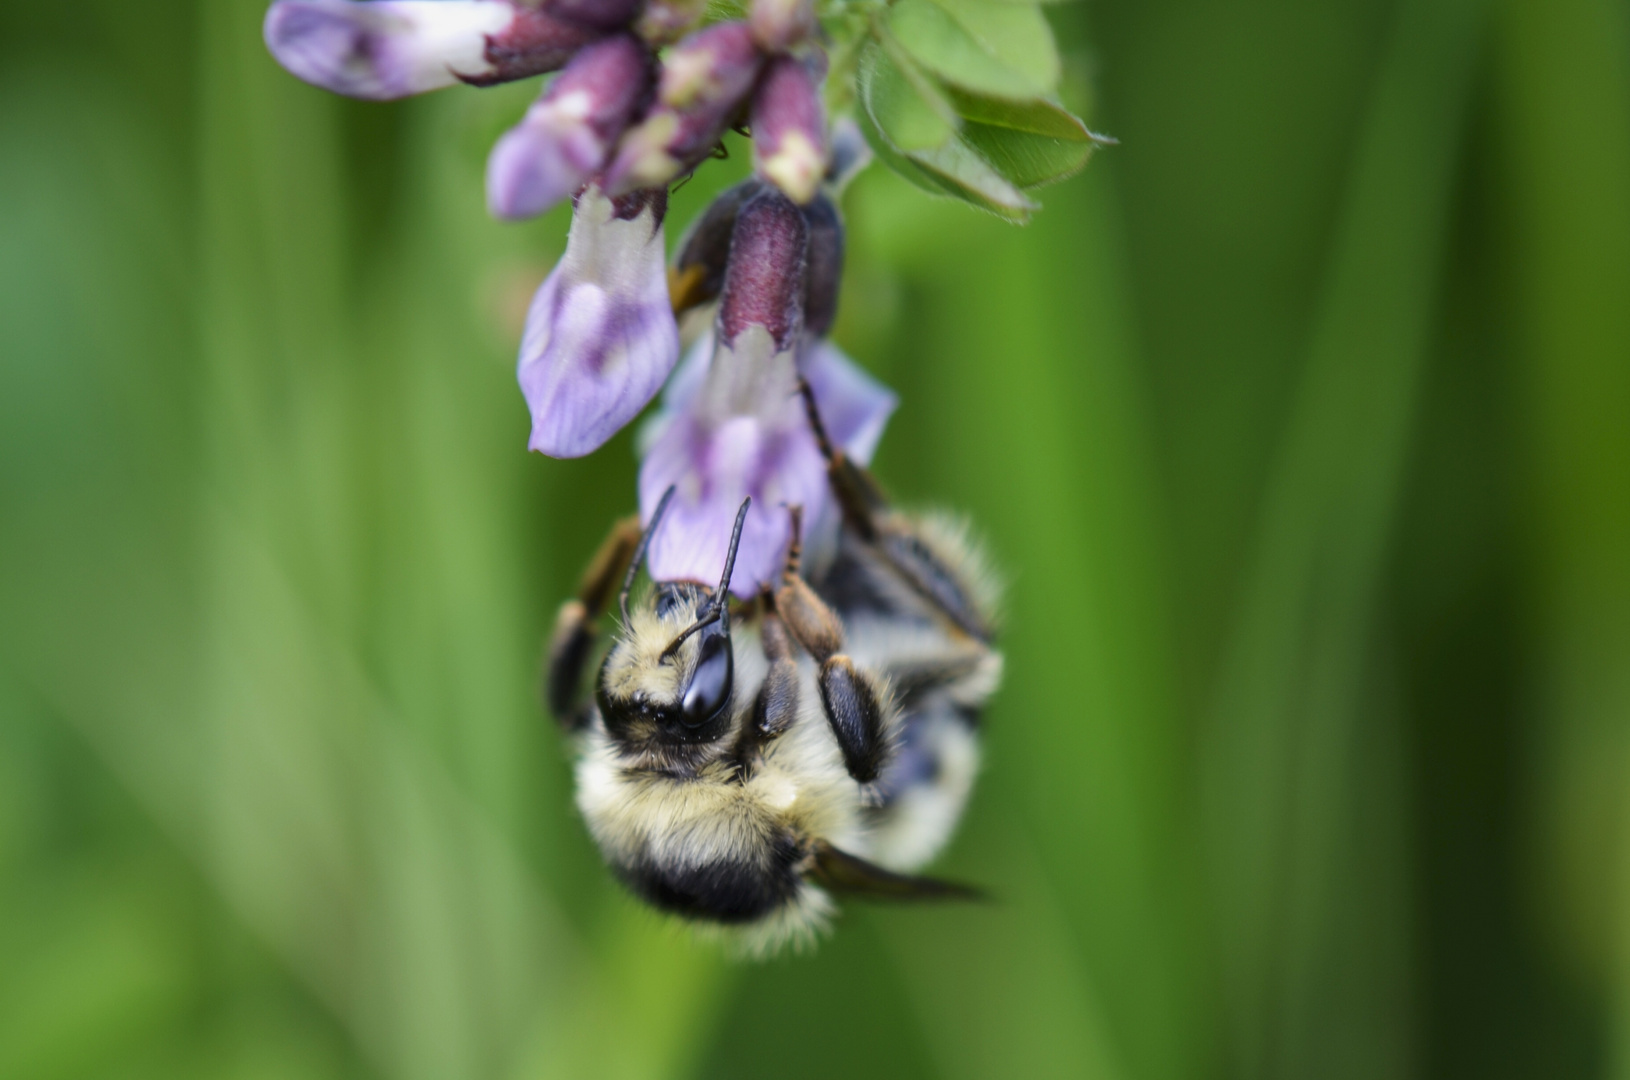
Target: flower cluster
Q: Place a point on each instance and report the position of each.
(945, 91)
(616, 112)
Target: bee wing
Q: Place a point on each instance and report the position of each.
(846, 873)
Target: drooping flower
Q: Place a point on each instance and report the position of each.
(567, 134)
(385, 49)
(855, 407)
(705, 79)
(735, 425)
(600, 337)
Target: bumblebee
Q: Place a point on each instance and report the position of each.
(741, 763)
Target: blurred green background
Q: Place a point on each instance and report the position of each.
(1301, 422)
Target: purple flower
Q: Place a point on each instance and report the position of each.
(744, 434)
(733, 424)
(716, 459)
(705, 79)
(385, 49)
(600, 336)
(565, 137)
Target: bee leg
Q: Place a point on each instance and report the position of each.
(572, 642)
(866, 511)
(777, 703)
(852, 698)
(859, 496)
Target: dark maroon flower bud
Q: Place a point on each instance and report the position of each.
(705, 80)
(697, 276)
(601, 14)
(764, 284)
(823, 266)
(533, 43)
(789, 134)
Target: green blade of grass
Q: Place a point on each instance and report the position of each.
(1280, 778)
(1563, 85)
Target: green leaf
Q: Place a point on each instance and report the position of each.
(1028, 160)
(891, 156)
(905, 105)
(1029, 142)
(911, 137)
(1036, 117)
(963, 173)
(989, 48)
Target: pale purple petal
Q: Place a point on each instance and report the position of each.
(540, 162)
(714, 469)
(385, 49)
(854, 406)
(566, 135)
(742, 433)
(600, 336)
(687, 378)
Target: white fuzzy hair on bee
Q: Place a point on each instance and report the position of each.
(739, 765)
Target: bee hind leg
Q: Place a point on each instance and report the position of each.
(572, 642)
(855, 703)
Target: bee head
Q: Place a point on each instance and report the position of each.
(669, 681)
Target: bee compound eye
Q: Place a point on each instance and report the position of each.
(710, 682)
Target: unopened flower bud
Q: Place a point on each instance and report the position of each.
(385, 49)
(704, 82)
(697, 276)
(780, 24)
(601, 14)
(824, 266)
(788, 132)
(711, 67)
(764, 283)
(567, 135)
(600, 337)
(664, 22)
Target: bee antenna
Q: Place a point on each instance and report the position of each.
(639, 552)
(718, 608)
(721, 598)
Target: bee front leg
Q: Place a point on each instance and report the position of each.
(776, 705)
(777, 702)
(855, 703)
(572, 642)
